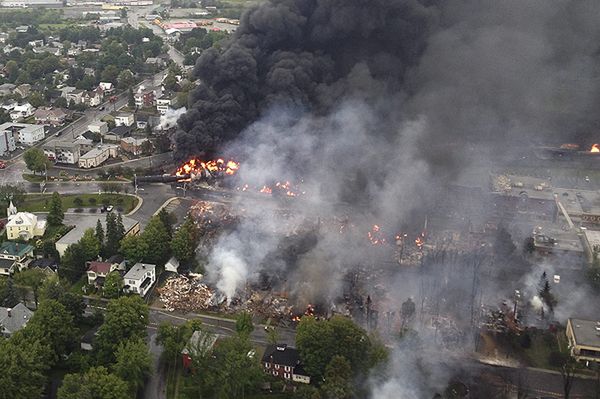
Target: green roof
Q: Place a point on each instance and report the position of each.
(15, 249)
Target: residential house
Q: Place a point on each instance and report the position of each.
(98, 127)
(141, 120)
(84, 222)
(14, 319)
(76, 96)
(7, 142)
(47, 265)
(3, 37)
(584, 339)
(23, 225)
(172, 265)
(144, 98)
(6, 89)
(10, 104)
(24, 133)
(9, 49)
(284, 362)
(140, 278)
(106, 87)
(97, 156)
(117, 133)
(124, 119)
(23, 90)
(73, 52)
(21, 111)
(134, 146)
(50, 116)
(164, 102)
(17, 254)
(22, 29)
(47, 50)
(36, 43)
(156, 61)
(64, 92)
(93, 98)
(117, 262)
(66, 152)
(97, 271)
(89, 71)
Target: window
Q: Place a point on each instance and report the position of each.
(276, 367)
(286, 376)
(275, 373)
(267, 365)
(287, 368)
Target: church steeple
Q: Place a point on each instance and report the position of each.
(12, 210)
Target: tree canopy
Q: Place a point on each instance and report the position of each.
(96, 383)
(56, 214)
(35, 160)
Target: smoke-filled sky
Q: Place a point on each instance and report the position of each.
(375, 103)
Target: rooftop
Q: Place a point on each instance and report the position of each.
(99, 267)
(138, 271)
(16, 318)
(281, 354)
(94, 152)
(15, 249)
(85, 222)
(587, 332)
(592, 237)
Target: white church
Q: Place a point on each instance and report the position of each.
(23, 225)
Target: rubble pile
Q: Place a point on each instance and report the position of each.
(185, 294)
(501, 183)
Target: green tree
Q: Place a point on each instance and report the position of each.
(13, 70)
(61, 102)
(90, 244)
(53, 325)
(55, 211)
(99, 232)
(133, 364)
(36, 99)
(184, 241)
(35, 160)
(32, 278)
(72, 263)
(338, 379)
(96, 383)
(133, 248)
(126, 318)
(173, 339)
(112, 285)
(10, 298)
(23, 368)
(319, 341)
(114, 233)
(157, 239)
(244, 325)
(130, 98)
(125, 80)
(168, 220)
(110, 74)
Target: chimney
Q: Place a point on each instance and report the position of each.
(9, 311)
(281, 347)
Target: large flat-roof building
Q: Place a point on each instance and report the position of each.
(84, 222)
(584, 339)
(63, 152)
(97, 156)
(23, 132)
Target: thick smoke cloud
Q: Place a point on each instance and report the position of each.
(374, 105)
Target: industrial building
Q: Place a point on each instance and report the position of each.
(584, 339)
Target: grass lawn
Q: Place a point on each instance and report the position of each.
(76, 288)
(40, 202)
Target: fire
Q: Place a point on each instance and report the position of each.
(266, 190)
(420, 240)
(195, 166)
(595, 148)
(376, 236)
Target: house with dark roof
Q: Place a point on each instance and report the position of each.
(283, 362)
(14, 319)
(117, 133)
(47, 265)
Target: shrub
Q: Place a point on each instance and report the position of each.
(92, 201)
(78, 201)
(78, 210)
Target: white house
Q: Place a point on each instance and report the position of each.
(140, 278)
(98, 127)
(106, 87)
(23, 132)
(97, 156)
(23, 225)
(22, 111)
(124, 119)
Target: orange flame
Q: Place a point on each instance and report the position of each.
(595, 148)
(196, 166)
(375, 235)
(420, 240)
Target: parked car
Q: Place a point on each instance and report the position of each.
(106, 208)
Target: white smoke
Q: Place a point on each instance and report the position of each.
(169, 119)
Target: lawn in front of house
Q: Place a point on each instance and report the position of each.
(41, 202)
